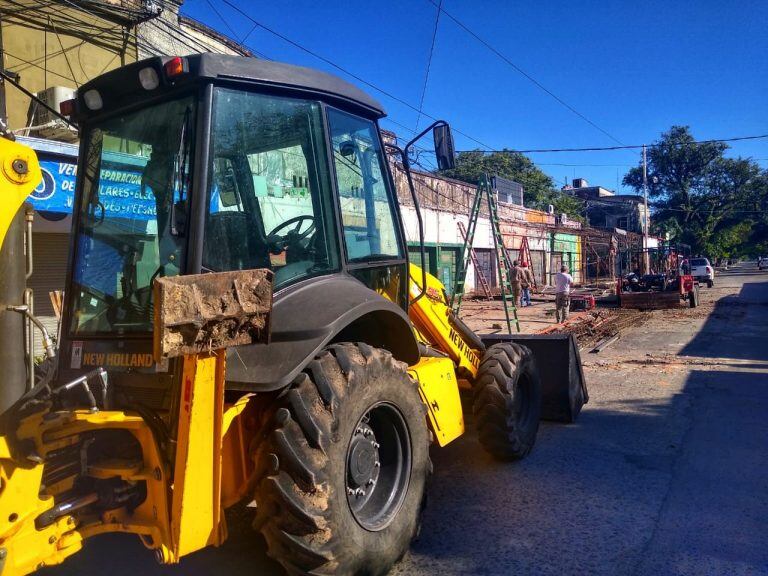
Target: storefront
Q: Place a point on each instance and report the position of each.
(441, 261)
(565, 251)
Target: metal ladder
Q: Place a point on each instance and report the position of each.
(473, 256)
(503, 262)
(525, 256)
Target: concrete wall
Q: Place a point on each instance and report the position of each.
(445, 203)
(61, 45)
(177, 35)
(46, 51)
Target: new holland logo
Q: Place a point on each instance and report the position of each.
(46, 188)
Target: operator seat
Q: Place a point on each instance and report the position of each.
(229, 244)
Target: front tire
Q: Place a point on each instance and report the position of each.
(344, 465)
(693, 297)
(507, 401)
(710, 283)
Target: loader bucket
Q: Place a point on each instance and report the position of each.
(564, 390)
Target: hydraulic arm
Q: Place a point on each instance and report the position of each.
(71, 467)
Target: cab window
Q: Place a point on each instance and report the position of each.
(269, 200)
(367, 207)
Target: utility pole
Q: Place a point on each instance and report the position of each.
(646, 254)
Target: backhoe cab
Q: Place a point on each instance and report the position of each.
(241, 324)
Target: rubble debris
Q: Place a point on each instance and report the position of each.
(600, 324)
(604, 343)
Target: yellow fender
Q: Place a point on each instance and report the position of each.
(440, 392)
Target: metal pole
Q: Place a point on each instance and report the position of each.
(646, 255)
(12, 284)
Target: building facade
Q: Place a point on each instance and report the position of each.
(606, 210)
(51, 48)
(445, 206)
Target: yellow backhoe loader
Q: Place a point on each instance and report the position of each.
(241, 324)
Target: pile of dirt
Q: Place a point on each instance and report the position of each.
(601, 323)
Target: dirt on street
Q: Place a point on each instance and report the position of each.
(665, 472)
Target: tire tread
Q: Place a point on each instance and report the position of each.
(293, 501)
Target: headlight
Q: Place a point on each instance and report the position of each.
(93, 100)
(148, 78)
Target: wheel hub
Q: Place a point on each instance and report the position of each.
(363, 461)
(378, 466)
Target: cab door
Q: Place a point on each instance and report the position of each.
(373, 244)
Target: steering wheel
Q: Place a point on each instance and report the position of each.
(278, 242)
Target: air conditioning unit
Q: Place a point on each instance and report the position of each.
(563, 218)
(550, 209)
(43, 123)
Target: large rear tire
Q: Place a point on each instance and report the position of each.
(507, 401)
(344, 465)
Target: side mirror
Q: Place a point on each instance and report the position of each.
(444, 150)
(348, 149)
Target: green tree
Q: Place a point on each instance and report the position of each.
(538, 188)
(702, 198)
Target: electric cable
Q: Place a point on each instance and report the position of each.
(27, 62)
(344, 70)
(234, 34)
(429, 64)
(523, 72)
(625, 147)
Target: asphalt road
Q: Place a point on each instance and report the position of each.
(666, 471)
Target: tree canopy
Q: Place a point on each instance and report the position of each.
(701, 197)
(539, 190)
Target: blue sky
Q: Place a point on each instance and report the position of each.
(633, 68)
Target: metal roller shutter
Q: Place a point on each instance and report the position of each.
(50, 253)
(537, 266)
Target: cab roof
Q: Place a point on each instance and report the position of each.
(278, 75)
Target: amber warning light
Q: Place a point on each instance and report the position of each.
(175, 67)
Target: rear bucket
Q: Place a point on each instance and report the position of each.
(563, 387)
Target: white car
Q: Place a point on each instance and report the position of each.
(702, 271)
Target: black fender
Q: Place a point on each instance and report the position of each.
(309, 316)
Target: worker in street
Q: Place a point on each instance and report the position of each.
(563, 282)
(515, 281)
(526, 282)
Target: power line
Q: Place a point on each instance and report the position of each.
(524, 73)
(429, 64)
(344, 70)
(629, 147)
(234, 34)
(586, 165)
(20, 68)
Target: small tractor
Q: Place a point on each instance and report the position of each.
(672, 286)
(241, 325)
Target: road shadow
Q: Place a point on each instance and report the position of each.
(736, 328)
(244, 553)
(634, 485)
(631, 488)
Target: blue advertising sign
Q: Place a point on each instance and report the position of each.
(119, 190)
